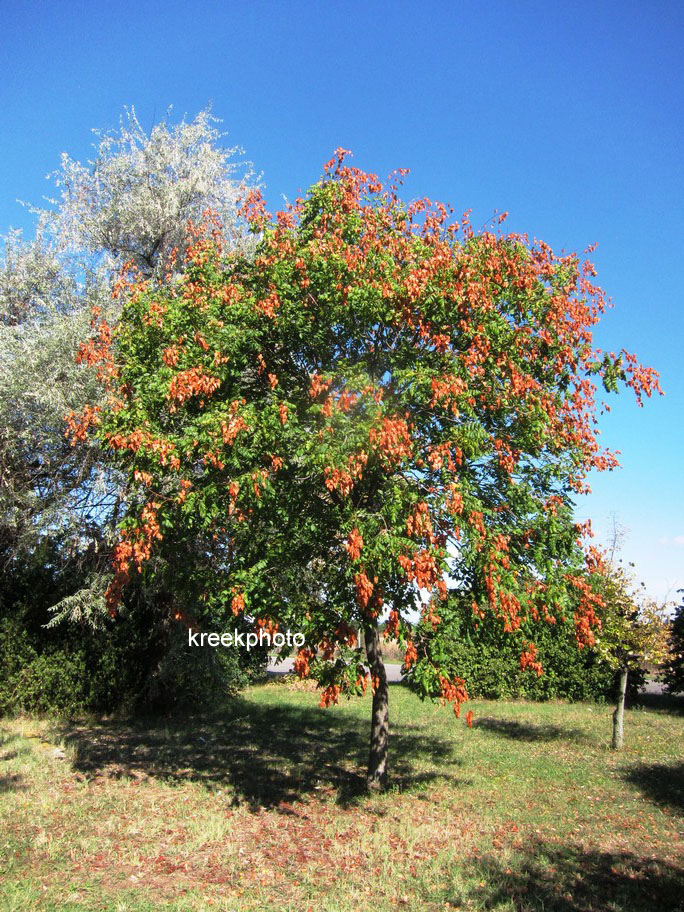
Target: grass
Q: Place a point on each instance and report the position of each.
(261, 807)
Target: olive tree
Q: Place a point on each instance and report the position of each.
(131, 203)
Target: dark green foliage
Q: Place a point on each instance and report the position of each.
(123, 667)
(139, 661)
(51, 682)
(488, 659)
(673, 674)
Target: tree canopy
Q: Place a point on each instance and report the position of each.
(381, 402)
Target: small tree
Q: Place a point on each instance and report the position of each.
(379, 397)
(634, 631)
(133, 201)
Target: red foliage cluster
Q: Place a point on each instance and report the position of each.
(238, 603)
(392, 440)
(410, 656)
(354, 544)
(234, 425)
(421, 568)
(346, 634)
(318, 385)
(254, 209)
(342, 480)
(78, 426)
(368, 596)
(419, 524)
(391, 631)
(205, 239)
(192, 382)
(453, 692)
(269, 305)
(97, 351)
(528, 659)
(134, 547)
(330, 695)
(302, 662)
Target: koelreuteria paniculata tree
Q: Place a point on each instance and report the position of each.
(379, 398)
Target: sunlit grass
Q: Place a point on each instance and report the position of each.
(261, 806)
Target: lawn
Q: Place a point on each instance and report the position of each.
(261, 806)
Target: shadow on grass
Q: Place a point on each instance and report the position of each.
(557, 878)
(528, 731)
(12, 782)
(663, 702)
(7, 738)
(662, 783)
(266, 754)
(8, 751)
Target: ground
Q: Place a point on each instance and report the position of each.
(260, 807)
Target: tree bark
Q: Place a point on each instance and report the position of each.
(619, 714)
(379, 737)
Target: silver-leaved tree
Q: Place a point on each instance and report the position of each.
(131, 203)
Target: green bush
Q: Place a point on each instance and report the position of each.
(123, 667)
(191, 676)
(137, 662)
(673, 672)
(488, 659)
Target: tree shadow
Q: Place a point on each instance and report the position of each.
(528, 731)
(12, 782)
(556, 878)
(9, 782)
(7, 738)
(661, 702)
(662, 783)
(265, 754)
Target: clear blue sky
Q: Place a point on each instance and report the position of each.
(568, 115)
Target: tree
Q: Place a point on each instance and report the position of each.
(131, 203)
(634, 630)
(379, 397)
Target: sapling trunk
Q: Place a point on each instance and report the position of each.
(379, 737)
(619, 713)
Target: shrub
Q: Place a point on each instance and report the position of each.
(137, 662)
(673, 673)
(489, 659)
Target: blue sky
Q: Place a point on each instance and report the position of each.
(568, 115)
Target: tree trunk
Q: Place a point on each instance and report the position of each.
(379, 738)
(619, 714)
